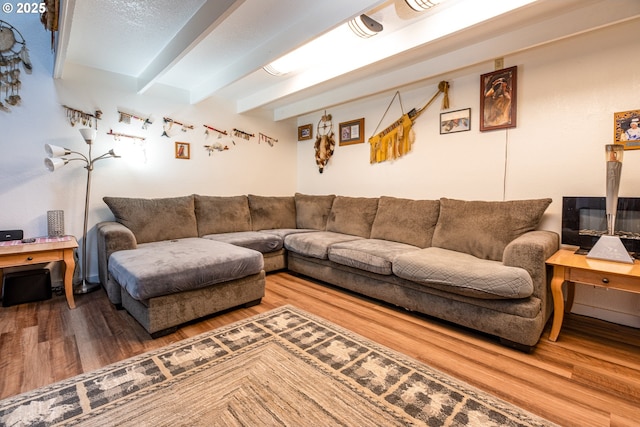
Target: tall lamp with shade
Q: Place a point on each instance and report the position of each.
(58, 157)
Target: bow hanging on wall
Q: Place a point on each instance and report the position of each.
(397, 139)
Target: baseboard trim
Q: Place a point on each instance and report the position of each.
(607, 315)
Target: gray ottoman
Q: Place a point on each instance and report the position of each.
(168, 283)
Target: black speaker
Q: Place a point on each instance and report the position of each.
(26, 286)
(6, 235)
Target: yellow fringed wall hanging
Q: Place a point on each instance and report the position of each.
(397, 139)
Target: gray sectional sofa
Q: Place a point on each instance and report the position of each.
(479, 264)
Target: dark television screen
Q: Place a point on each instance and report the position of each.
(584, 220)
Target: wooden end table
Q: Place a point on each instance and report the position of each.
(16, 253)
(573, 268)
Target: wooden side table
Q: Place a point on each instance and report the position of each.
(14, 254)
(573, 268)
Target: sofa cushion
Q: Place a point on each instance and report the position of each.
(484, 229)
(222, 214)
(371, 255)
(272, 212)
(352, 215)
(256, 240)
(313, 211)
(463, 274)
(315, 244)
(153, 220)
(406, 221)
(171, 266)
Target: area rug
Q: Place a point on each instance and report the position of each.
(285, 367)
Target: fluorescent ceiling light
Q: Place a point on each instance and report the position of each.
(365, 27)
(421, 5)
(314, 53)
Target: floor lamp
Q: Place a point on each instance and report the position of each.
(57, 158)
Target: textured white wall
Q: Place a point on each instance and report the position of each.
(567, 94)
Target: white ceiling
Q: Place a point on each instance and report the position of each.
(204, 48)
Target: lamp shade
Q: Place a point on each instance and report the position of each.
(55, 151)
(55, 163)
(88, 134)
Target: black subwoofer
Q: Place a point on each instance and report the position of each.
(26, 286)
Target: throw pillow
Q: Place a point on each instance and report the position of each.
(268, 213)
(484, 229)
(222, 214)
(406, 221)
(152, 220)
(313, 211)
(352, 215)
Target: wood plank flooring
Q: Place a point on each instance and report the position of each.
(589, 377)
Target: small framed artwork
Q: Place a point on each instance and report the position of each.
(498, 92)
(183, 150)
(626, 129)
(352, 132)
(305, 132)
(455, 121)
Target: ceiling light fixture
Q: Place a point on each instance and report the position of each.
(365, 27)
(273, 70)
(421, 5)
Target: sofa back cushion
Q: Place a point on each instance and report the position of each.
(268, 213)
(153, 220)
(313, 211)
(352, 215)
(484, 229)
(216, 214)
(406, 221)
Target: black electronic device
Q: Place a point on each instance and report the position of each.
(7, 235)
(26, 286)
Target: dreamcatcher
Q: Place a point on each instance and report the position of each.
(13, 52)
(324, 141)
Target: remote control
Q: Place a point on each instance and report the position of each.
(28, 240)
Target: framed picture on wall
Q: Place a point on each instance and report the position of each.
(352, 132)
(626, 129)
(305, 132)
(455, 121)
(498, 93)
(183, 150)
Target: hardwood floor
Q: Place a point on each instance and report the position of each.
(589, 377)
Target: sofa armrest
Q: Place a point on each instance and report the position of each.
(112, 237)
(530, 251)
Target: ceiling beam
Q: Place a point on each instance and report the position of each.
(321, 17)
(203, 22)
(64, 26)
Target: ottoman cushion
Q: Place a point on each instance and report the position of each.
(171, 266)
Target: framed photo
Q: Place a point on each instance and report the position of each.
(183, 150)
(305, 132)
(455, 121)
(626, 129)
(498, 93)
(352, 132)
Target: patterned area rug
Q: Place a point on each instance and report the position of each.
(285, 367)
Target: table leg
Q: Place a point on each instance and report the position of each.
(70, 265)
(558, 301)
